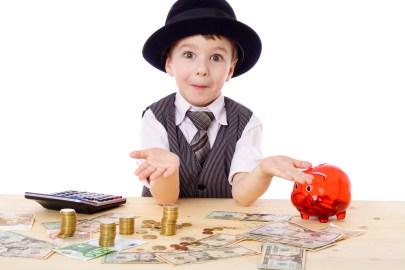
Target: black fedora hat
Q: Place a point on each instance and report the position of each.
(205, 17)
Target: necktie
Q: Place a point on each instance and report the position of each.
(200, 144)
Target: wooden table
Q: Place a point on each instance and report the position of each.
(382, 247)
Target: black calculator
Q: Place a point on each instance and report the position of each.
(82, 202)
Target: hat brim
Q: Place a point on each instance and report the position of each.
(246, 39)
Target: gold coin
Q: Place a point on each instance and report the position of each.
(148, 221)
(186, 224)
(159, 247)
(149, 236)
(141, 231)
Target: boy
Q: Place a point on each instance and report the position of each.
(198, 143)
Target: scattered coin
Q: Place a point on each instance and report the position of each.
(186, 224)
(187, 239)
(159, 247)
(208, 232)
(149, 236)
(148, 221)
(141, 232)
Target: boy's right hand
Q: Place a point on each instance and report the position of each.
(157, 163)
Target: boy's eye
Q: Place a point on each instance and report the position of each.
(217, 57)
(188, 54)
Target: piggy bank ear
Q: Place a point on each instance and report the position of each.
(320, 174)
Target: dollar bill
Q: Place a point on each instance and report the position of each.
(13, 221)
(281, 257)
(17, 245)
(84, 251)
(120, 243)
(91, 225)
(202, 256)
(228, 215)
(214, 241)
(78, 235)
(294, 235)
(131, 258)
(346, 233)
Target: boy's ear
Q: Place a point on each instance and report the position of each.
(168, 66)
(231, 70)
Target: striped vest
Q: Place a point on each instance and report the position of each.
(211, 180)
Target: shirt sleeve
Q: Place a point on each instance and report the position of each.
(248, 152)
(153, 135)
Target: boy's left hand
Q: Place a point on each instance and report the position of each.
(287, 168)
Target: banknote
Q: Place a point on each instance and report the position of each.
(14, 221)
(346, 233)
(228, 215)
(281, 257)
(120, 243)
(205, 255)
(78, 235)
(84, 251)
(131, 258)
(294, 235)
(87, 225)
(214, 241)
(17, 245)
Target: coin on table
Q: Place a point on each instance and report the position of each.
(159, 247)
(146, 226)
(187, 239)
(141, 231)
(208, 232)
(186, 224)
(149, 236)
(148, 221)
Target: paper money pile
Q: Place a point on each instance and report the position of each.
(293, 235)
(168, 223)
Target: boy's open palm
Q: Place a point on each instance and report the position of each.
(287, 168)
(157, 163)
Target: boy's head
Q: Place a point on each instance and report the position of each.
(212, 18)
(201, 65)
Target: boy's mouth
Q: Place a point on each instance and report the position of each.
(199, 86)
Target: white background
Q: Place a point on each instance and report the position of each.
(328, 88)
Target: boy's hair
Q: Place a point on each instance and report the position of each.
(212, 37)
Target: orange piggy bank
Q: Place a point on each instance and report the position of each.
(328, 195)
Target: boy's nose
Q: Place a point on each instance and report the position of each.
(202, 69)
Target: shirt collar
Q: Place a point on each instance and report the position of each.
(217, 107)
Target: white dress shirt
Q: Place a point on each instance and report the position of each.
(248, 148)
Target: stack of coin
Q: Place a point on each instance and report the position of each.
(107, 234)
(127, 225)
(68, 222)
(168, 224)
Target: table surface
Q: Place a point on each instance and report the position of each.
(381, 247)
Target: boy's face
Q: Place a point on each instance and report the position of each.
(201, 66)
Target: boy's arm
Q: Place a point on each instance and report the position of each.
(161, 167)
(248, 187)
